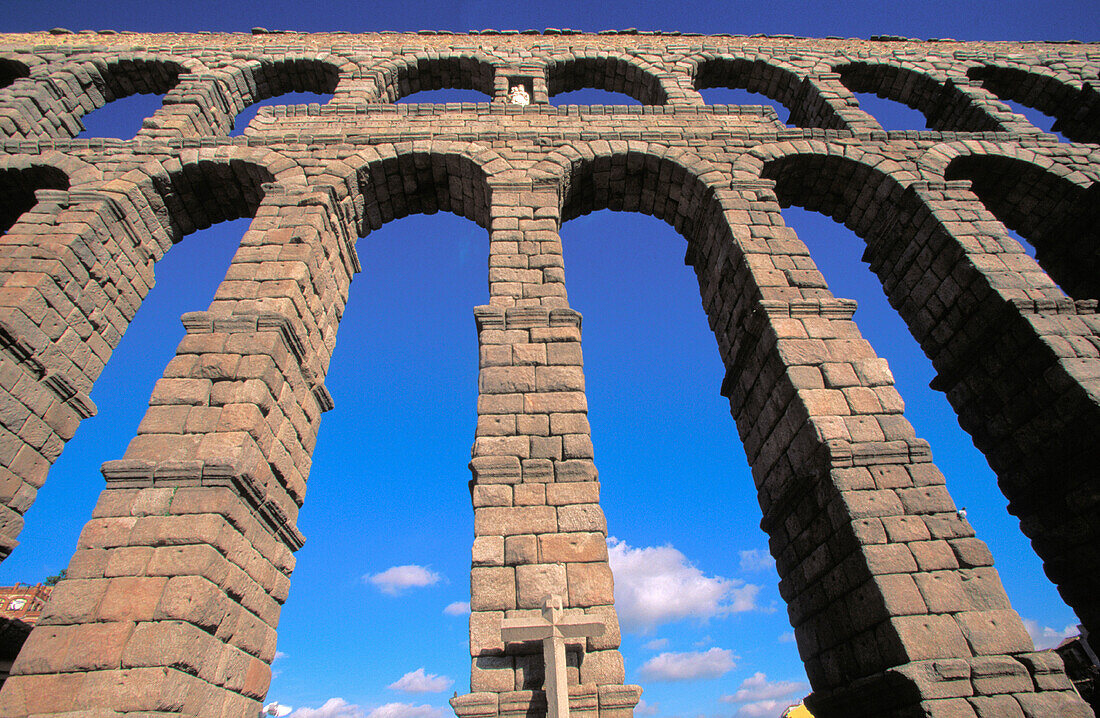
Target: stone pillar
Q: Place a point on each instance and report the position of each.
(172, 598)
(198, 106)
(539, 529)
(1018, 360)
(73, 271)
(826, 102)
(962, 101)
(896, 606)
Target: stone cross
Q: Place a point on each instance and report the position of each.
(552, 628)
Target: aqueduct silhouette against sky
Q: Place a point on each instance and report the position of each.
(180, 573)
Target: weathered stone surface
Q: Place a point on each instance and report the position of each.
(536, 582)
(180, 575)
(492, 589)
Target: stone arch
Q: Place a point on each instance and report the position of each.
(943, 104)
(647, 164)
(1059, 217)
(1049, 203)
(796, 169)
(261, 78)
(614, 72)
(782, 82)
(64, 93)
(391, 181)
(756, 302)
(1074, 105)
(964, 287)
(95, 249)
(77, 170)
(206, 186)
(405, 75)
(933, 163)
(125, 75)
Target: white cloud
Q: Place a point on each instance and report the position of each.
(756, 560)
(333, 708)
(763, 709)
(644, 709)
(787, 637)
(656, 644)
(458, 608)
(757, 688)
(276, 709)
(405, 710)
(1047, 637)
(420, 682)
(658, 585)
(396, 579)
(688, 666)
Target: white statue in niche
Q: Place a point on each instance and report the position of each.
(518, 95)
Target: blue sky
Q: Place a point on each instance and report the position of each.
(389, 482)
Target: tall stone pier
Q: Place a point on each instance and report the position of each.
(172, 598)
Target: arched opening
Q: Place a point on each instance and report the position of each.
(186, 279)
(394, 450)
(122, 118)
(245, 116)
(17, 187)
(672, 471)
(443, 73)
(11, 70)
(936, 314)
(1076, 111)
(444, 96)
(611, 74)
(757, 285)
(838, 252)
(144, 80)
(389, 484)
(744, 82)
(1059, 218)
(85, 327)
(943, 105)
(286, 82)
(592, 96)
(740, 96)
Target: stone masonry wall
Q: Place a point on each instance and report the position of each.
(172, 599)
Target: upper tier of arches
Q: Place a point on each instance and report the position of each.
(45, 96)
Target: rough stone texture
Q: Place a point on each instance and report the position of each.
(173, 596)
